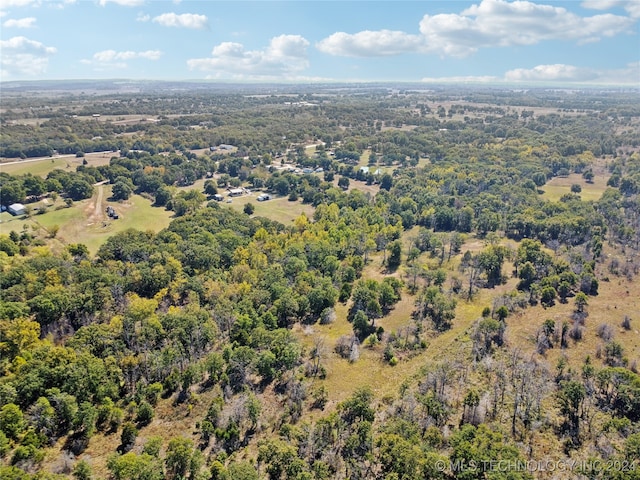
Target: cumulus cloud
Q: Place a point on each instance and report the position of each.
(632, 7)
(491, 23)
(555, 74)
(23, 56)
(110, 59)
(142, 17)
(27, 22)
(124, 3)
(184, 20)
(370, 43)
(285, 56)
(629, 75)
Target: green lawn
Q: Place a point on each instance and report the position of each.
(137, 213)
(279, 209)
(79, 224)
(559, 186)
(43, 166)
(39, 168)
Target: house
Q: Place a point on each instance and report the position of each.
(17, 209)
(235, 192)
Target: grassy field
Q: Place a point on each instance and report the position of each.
(42, 166)
(86, 222)
(559, 186)
(279, 209)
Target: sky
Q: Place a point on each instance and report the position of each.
(591, 42)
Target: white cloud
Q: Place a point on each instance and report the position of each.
(629, 75)
(491, 23)
(285, 56)
(110, 59)
(143, 17)
(185, 20)
(23, 56)
(27, 22)
(632, 7)
(17, 3)
(555, 74)
(111, 55)
(370, 43)
(124, 3)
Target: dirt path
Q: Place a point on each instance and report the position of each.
(96, 214)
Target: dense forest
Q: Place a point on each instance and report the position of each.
(232, 345)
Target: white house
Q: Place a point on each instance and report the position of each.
(17, 209)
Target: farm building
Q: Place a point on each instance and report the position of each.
(236, 192)
(17, 209)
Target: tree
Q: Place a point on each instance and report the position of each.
(580, 301)
(490, 260)
(483, 447)
(570, 400)
(548, 296)
(435, 306)
(12, 421)
(179, 458)
(395, 254)
(249, 208)
(121, 190)
(135, 467)
(163, 196)
(82, 471)
(386, 182)
(344, 182)
(79, 189)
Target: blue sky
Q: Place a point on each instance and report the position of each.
(498, 41)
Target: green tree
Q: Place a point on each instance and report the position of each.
(580, 301)
(433, 305)
(178, 457)
(79, 189)
(344, 182)
(135, 467)
(12, 421)
(570, 400)
(82, 471)
(483, 447)
(121, 190)
(249, 208)
(395, 254)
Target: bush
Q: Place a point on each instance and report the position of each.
(145, 413)
(626, 322)
(605, 332)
